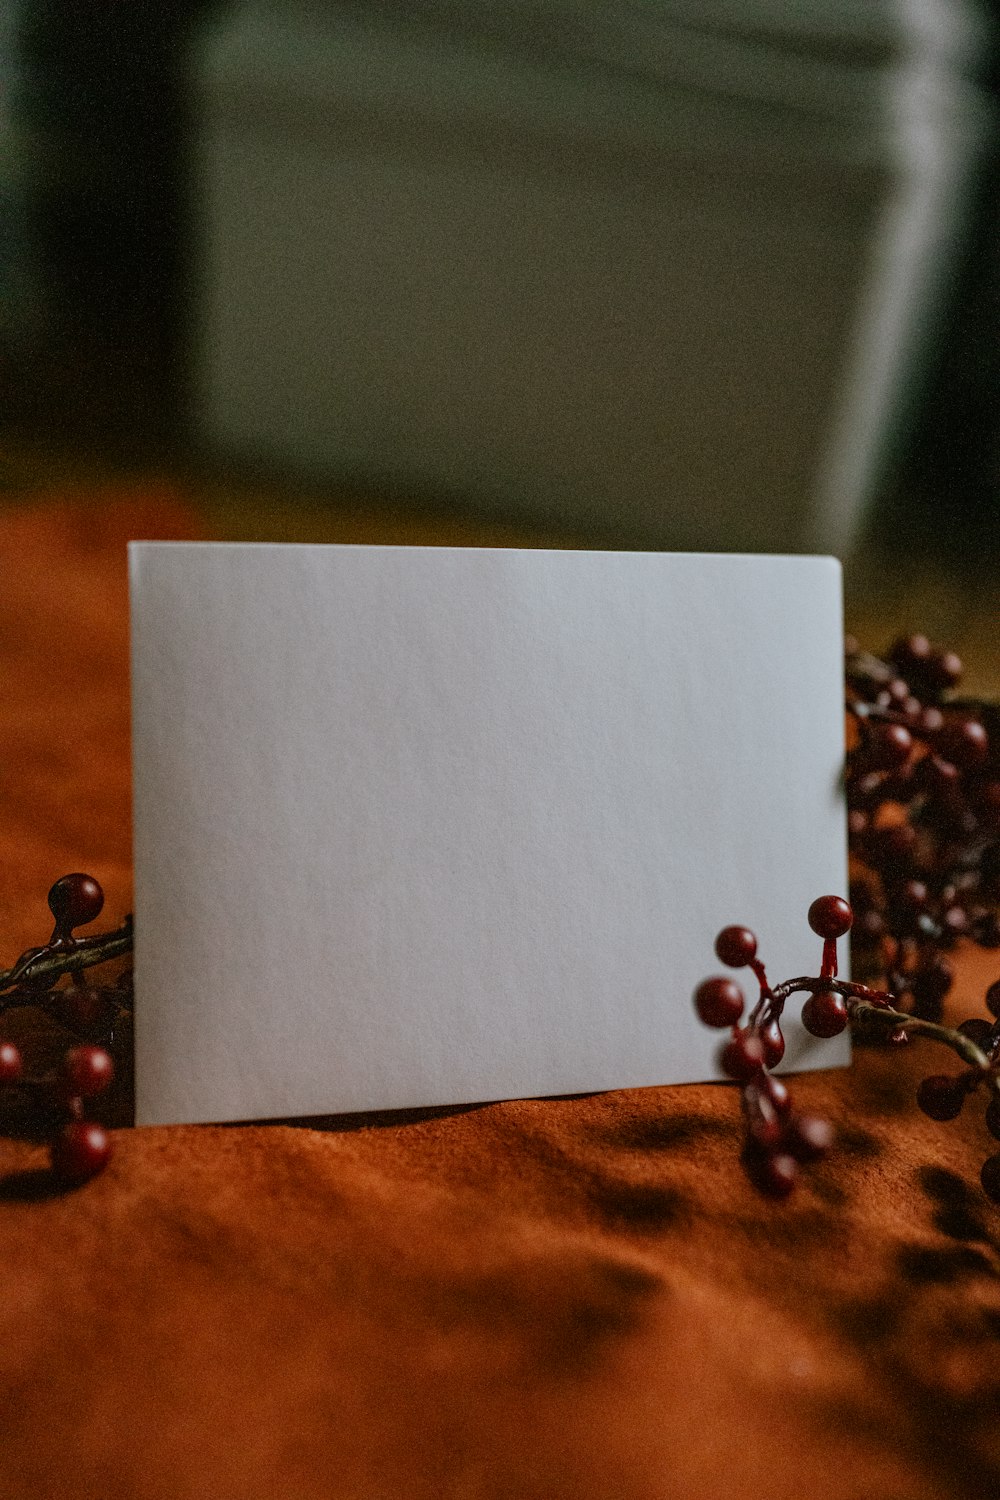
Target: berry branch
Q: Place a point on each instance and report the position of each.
(777, 1140)
(923, 793)
(95, 1018)
(39, 967)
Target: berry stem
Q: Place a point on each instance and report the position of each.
(765, 1010)
(761, 976)
(868, 1007)
(866, 1013)
(52, 962)
(849, 988)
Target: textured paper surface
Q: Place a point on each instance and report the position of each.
(426, 825)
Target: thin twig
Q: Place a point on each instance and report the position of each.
(913, 1026)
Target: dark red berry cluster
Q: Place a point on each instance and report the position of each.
(94, 1021)
(923, 794)
(777, 1140)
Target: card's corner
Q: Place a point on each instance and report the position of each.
(134, 550)
(830, 564)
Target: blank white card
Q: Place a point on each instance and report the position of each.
(422, 826)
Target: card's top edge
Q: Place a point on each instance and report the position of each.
(736, 557)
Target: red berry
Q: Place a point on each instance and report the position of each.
(11, 1066)
(774, 1044)
(765, 1132)
(907, 903)
(888, 746)
(773, 1173)
(757, 1098)
(75, 900)
(830, 916)
(777, 1093)
(964, 743)
(918, 660)
(743, 1057)
(892, 846)
(824, 1013)
(868, 929)
(910, 654)
(990, 1178)
(81, 1009)
(941, 1097)
(865, 789)
(80, 1151)
(911, 896)
(808, 1137)
(736, 946)
(719, 1002)
(978, 1031)
(954, 924)
(935, 775)
(86, 1071)
(943, 671)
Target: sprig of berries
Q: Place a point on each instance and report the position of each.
(96, 1018)
(923, 796)
(777, 1139)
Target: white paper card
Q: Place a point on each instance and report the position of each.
(424, 826)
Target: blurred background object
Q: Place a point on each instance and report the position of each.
(715, 275)
(98, 154)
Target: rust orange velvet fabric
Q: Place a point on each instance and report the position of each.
(575, 1298)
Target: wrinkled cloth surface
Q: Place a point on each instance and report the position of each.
(545, 1298)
